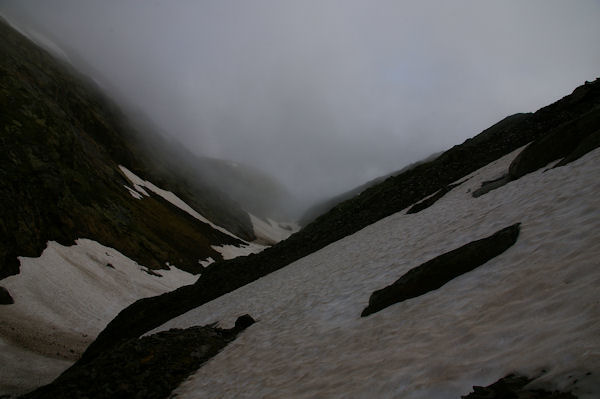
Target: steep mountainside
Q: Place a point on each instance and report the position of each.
(62, 144)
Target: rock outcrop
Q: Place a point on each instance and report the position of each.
(146, 368)
(513, 387)
(433, 274)
(5, 298)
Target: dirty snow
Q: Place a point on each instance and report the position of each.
(63, 299)
(535, 307)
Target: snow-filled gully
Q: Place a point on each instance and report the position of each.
(534, 307)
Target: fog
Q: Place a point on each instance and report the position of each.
(322, 95)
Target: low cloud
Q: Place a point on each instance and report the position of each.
(324, 95)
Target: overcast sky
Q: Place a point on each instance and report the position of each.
(324, 95)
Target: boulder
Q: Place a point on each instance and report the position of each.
(433, 274)
(513, 387)
(5, 298)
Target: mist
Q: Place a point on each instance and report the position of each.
(322, 95)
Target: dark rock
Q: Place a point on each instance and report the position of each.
(513, 387)
(589, 143)
(146, 368)
(435, 273)
(5, 298)
(243, 322)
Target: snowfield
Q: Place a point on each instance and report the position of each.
(63, 299)
(534, 309)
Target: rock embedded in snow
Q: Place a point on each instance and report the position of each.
(433, 274)
(5, 298)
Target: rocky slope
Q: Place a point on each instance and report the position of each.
(63, 142)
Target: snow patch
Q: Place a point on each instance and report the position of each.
(270, 231)
(233, 251)
(534, 307)
(134, 193)
(63, 299)
(206, 262)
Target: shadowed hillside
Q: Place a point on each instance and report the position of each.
(62, 143)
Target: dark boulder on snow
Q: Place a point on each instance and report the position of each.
(243, 322)
(5, 298)
(149, 367)
(513, 387)
(433, 274)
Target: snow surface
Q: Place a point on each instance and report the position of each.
(140, 184)
(535, 307)
(270, 231)
(207, 261)
(63, 299)
(22, 370)
(233, 251)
